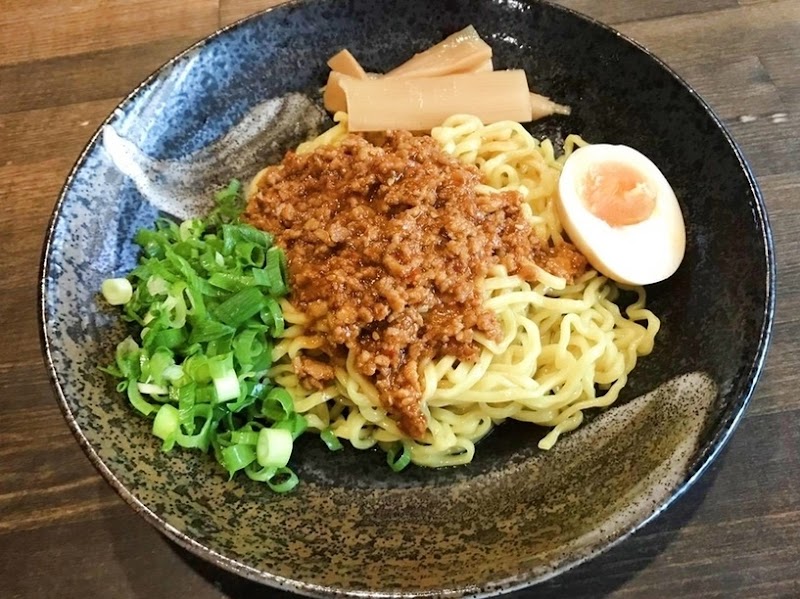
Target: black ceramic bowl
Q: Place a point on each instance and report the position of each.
(516, 515)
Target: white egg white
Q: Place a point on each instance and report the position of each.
(637, 254)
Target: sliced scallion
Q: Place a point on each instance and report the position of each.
(117, 291)
(136, 399)
(283, 480)
(295, 423)
(223, 375)
(236, 457)
(330, 439)
(245, 437)
(203, 302)
(209, 330)
(276, 271)
(167, 422)
(278, 405)
(272, 316)
(244, 304)
(274, 447)
(398, 457)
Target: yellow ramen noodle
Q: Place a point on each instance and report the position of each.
(565, 348)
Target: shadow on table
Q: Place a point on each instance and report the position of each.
(595, 579)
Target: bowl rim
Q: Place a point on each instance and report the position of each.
(722, 431)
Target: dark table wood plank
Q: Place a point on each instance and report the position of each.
(98, 75)
(64, 533)
(42, 29)
(233, 10)
(618, 11)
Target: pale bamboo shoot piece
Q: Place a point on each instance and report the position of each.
(346, 64)
(459, 53)
(333, 97)
(483, 67)
(542, 106)
(419, 104)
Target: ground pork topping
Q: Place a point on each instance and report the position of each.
(387, 245)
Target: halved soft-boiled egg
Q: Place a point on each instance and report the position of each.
(620, 211)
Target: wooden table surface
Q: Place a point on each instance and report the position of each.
(63, 531)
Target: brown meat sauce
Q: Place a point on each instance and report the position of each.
(387, 244)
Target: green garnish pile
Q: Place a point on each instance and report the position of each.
(204, 311)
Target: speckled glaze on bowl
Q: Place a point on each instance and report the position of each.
(515, 516)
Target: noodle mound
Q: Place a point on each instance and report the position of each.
(493, 335)
(388, 244)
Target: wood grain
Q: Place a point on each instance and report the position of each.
(233, 10)
(40, 29)
(619, 11)
(64, 533)
(98, 75)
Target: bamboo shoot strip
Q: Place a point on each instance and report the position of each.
(461, 52)
(423, 103)
(542, 106)
(346, 64)
(333, 97)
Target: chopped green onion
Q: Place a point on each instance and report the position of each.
(272, 316)
(251, 234)
(283, 480)
(331, 440)
(230, 203)
(241, 306)
(136, 399)
(250, 253)
(151, 389)
(203, 304)
(209, 330)
(260, 277)
(278, 405)
(117, 291)
(295, 424)
(206, 394)
(202, 439)
(398, 463)
(167, 422)
(274, 447)
(127, 358)
(195, 306)
(230, 281)
(169, 338)
(276, 271)
(248, 346)
(173, 373)
(196, 367)
(257, 473)
(186, 270)
(226, 383)
(218, 347)
(177, 305)
(151, 242)
(186, 403)
(157, 286)
(244, 401)
(230, 193)
(190, 229)
(160, 360)
(244, 437)
(238, 456)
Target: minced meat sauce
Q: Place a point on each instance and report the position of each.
(387, 243)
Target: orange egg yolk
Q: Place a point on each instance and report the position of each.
(618, 194)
